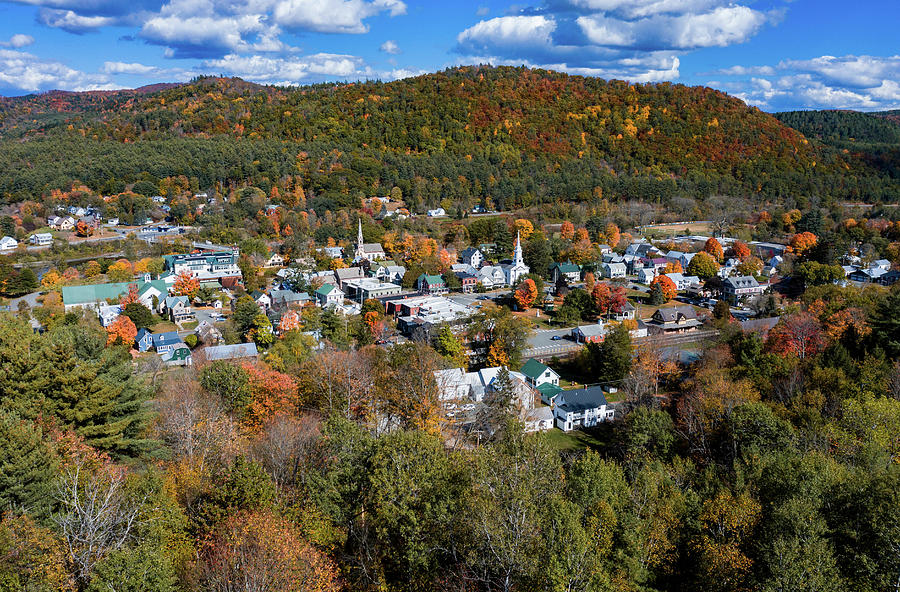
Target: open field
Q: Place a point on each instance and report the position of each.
(697, 227)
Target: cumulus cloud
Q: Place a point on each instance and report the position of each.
(612, 37)
(848, 82)
(127, 68)
(73, 22)
(332, 16)
(17, 41)
(24, 71)
(390, 47)
(293, 70)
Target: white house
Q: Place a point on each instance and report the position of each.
(329, 294)
(472, 256)
(491, 276)
(537, 374)
(581, 408)
(645, 275)
(436, 212)
(67, 223)
(614, 270)
(41, 239)
(275, 260)
(108, 313)
(8, 243)
(738, 288)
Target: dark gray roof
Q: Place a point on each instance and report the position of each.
(577, 400)
(670, 314)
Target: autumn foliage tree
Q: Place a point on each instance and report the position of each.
(83, 229)
(186, 284)
(667, 286)
(801, 243)
(800, 335)
(271, 393)
(567, 230)
(121, 332)
(703, 265)
(740, 250)
(130, 296)
(290, 321)
(609, 299)
(526, 293)
(714, 248)
(263, 551)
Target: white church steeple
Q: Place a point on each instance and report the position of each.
(517, 253)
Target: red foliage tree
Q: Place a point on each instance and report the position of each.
(130, 296)
(801, 243)
(799, 335)
(609, 299)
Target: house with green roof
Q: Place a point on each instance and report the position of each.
(93, 295)
(568, 270)
(549, 392)
(329, 294)
(431, 284)
(537, 374)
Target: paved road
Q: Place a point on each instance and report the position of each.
(31, 299)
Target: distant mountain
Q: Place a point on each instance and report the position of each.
(515, 135)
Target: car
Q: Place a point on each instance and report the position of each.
(556, 338)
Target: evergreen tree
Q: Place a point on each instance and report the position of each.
(139, 314)
(27, 466)
(657, 298)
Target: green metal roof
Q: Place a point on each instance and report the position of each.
(533, 369)
(551, 390)
(567, 267)
(75, 295)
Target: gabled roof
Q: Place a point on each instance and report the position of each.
(581, 399)
(75, 295)
(744, 281)
(431, 279)
(534, 369)
(171, 301)
(567, 267)
(229, 352)
(141, 334)
(167, 338)
(548, 389)
(326, 289)
(670, 314)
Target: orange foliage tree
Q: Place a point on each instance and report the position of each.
(713, 247)
(526, 294)
(609, 299)
(186, 284)
(524, 227)
(589, 282)
(263, 548)
(271, 393)
(740, 250)
(567, 230)
(130, 296)
(82, 228)
(120, 271)
(290, 321)
(612, 234)
(673, 267)
(581, 235)
(121, 331)
(668, 287)
(801, 243)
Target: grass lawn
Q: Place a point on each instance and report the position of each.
(163, 327)
(190, 325)
(574, 440)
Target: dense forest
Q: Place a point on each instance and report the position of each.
(507, 137)
(871, 137)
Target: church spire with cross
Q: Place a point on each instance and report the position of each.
(360, 252)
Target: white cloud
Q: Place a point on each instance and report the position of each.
(482, 11)
(505, 33)
(719, 28)
(27, 72)
(390, 47)
(127, 68)
(401, 73)
(825, 82)
(73, 22)
(294, 70)
(640, 40)
(17, 41)
(332, 16)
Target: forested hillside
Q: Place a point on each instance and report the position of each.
(513, 136)
(871, 137)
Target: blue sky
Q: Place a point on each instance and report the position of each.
(775, 54)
